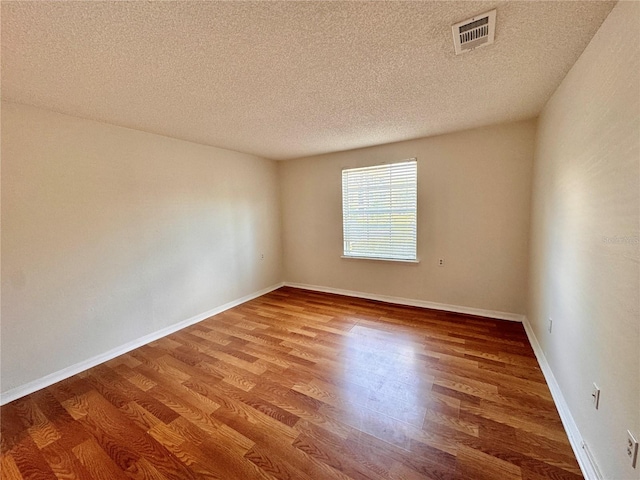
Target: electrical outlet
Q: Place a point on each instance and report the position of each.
(632, 449)
(262, 256)
(550, 324)
(441, 262)
(595, 396)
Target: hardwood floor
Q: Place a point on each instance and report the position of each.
(302, 385)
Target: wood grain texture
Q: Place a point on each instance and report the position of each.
(301, 385)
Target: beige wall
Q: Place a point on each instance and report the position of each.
(109, 234)
(584, 267)
(473, 211)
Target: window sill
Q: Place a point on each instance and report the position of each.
(381, 259)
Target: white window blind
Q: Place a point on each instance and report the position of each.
(379, 211)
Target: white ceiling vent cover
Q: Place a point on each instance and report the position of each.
(474, 32)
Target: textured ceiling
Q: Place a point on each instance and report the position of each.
(289, 79)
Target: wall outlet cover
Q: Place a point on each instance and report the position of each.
(595, 396)
(632, 449)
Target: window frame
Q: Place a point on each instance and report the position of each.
(347, 253)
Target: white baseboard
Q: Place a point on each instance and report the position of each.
(35, 385)
(585, 459)
(514, 317)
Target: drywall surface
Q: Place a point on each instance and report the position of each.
(110, 234)
(584, 246)
(473, 212)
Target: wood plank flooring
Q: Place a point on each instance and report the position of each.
(301, 385)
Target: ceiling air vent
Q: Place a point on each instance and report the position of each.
(474, 32)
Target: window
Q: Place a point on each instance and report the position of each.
(379, 211)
